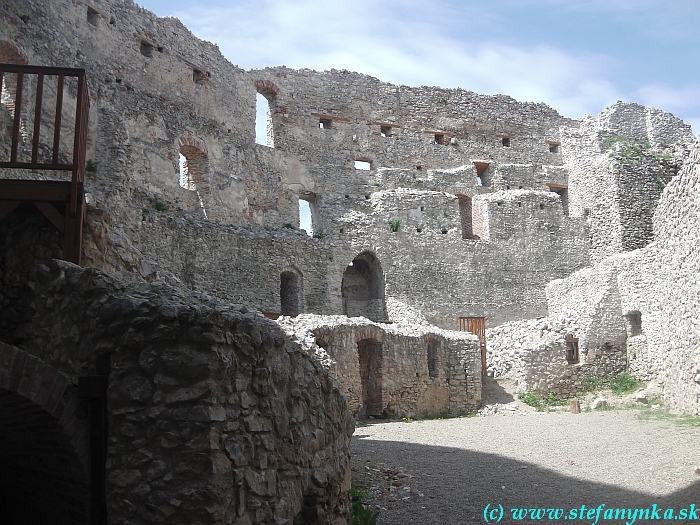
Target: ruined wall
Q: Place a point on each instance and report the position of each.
(534, 353)
(214, 416)
(618, 164)
(416, 371)
(166, 92)
(646, 298)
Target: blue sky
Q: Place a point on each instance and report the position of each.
(578, 56)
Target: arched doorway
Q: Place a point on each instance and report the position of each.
(43, 476)
(363, 288)
(370, 357)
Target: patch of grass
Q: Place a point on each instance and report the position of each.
(540, 402)
(289, 226)
(623, 383)
(592, 384)
(91, 166)
(361, 515)
(318, 235)
(359, 494)
(159, 205)
(394, 225)
(530, 399)
(649, 414)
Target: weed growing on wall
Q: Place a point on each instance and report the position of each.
(623, 383)
(394, 225)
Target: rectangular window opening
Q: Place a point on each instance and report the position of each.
(325, 123)
(554, 147)
(633, 323)
(385, 131)
(439, 139)
(363, 165)
(146, 49)
(93, 17)
(505, 141)
(572, 356)
(200, 77)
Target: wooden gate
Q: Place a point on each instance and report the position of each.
(476, 326)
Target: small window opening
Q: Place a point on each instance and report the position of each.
(572, 356)
(341, 230)
(263, 121)
(419, 167)
(633, 323)
(541, 206)
(325, 123)
(305, 217)
(499, 203)
(507, 187)
(553, 147)
(146, 49)
(520, 204)
(93, 17)
(113, 22)
(347, 196)
(433, 360)
(367, 197)
(160, 49)
(422, 208)
(185, 181)
(481, 168)
(439, 139)
(200, 77)
(418, 230)
(479, 182)
(444, 231)
(520, 187)
(564, 197)
(505, 141)
(363, 165)
(385, 131)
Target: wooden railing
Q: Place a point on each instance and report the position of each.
(62, 202)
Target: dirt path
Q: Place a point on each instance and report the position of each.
(447, 471)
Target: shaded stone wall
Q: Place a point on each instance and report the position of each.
(417, 371)
(213, 416)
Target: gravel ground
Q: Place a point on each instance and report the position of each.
(447, 471)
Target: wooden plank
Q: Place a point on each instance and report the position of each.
(57, 121)
(47, 70)
(37, 117)
(38, 190)
(383, 124)
(52, 214)
(329, 117)
(37, 166)
(7, 207)
(17, 121)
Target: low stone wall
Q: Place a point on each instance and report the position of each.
(214, 417)
(534, 353)
(414, 370)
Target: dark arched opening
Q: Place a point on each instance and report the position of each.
(290, 293)
(370, 358)
(42, 479)
(363, 288)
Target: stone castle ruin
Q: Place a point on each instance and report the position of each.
(453, 234)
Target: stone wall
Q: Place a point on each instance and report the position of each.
(646, 298)
(214, 417)
(536, 355)
(414, 370)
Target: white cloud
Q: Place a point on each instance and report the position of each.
(420, 43)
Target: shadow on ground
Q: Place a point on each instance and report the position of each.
(457, 485)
